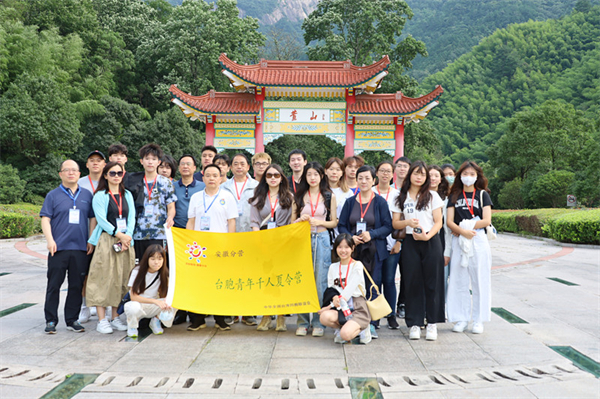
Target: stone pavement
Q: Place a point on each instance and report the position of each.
(508, 360)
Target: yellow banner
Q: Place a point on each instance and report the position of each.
(268, 272)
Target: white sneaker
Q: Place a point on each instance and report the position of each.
(477, 328)
(132, 332)
(415, 332)
(460, 326)
(431, 334)
(365, 336)
(93, 311)
(117, 324)
(155, 326)
(337, 338)
(104, 327)
(84, 314)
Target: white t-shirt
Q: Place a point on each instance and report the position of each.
(152, 291)
(425, 216)
(390, 197)
(340, 200)
(354, 278)
(222, 209)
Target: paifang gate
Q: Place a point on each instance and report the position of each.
(331, 98)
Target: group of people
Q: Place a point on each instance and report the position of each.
(371, 222)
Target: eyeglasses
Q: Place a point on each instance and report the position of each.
(70, 170)
(186, 164)
(112, 173)
(385, 172)
(261, 164)
(273, 175)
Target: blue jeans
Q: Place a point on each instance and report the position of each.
(321, 252)
(388, 276)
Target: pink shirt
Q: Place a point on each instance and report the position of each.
(320, 213)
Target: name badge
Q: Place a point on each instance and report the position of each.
(121, 225)
(148, 210)
(271, 225)
(361, 227)
(73, 216)
(239, 206)
(205, 223)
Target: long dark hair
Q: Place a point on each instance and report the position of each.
(139, 284)
(103, 183)
(444, 187)
(424, 196)
(303, 186)
(260, 192)
(480, 184)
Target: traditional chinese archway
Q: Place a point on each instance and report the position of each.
(338, 102)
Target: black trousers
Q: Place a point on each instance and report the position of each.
(401, 291)
(77, 264)
(423, 276)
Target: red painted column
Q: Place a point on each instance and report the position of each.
(210, 130)
(258, 132)
(349, 149)
(399, 137)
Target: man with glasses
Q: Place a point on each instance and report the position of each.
(260, 162)
(67, 222)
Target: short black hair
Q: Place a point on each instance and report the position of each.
(366, 168)
(403, 159)
(212, 165)
(296, 151)
(209, 148)
(117, 149)
(151, 149)
(223, 157)
(168, 160)
(448, 165)
(239, 154)
(187, 156)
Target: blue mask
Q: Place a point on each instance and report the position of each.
(450, 179)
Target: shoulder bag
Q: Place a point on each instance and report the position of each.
(399, 234)
(490, 231)
(127, 297)
(378, 307)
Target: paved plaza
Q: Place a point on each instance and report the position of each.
(553, 290)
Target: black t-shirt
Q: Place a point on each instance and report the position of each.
(461, 210)
(113, 210)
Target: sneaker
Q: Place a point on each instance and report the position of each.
(431, 334)
(118, 325)
(198, 323)
(281, 324)
(477, 328)
(229, 320)
(366, 336)
(265, 323)
(337, 338)
(93, 311)
(75, 326)
(104, 327)
(373, 332)
(401, 311)
(415, 332)
(132, 332)
(318, 332)
(301, 331)
(460, 326)
(392, 323)
(50, 327)
(222, 325)
(155, 326)
(84, 314)
(249, 320)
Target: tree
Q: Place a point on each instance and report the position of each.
(281, 45)
(551, 189)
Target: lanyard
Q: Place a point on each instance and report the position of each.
(213, 201)
(362, 214)
(294, 184)
(119, 204)
(344, 282)
(150, 189)
(239, 195)
(387, 195)
(470, 208)
(71, 196)
(272, 207)
(91, 183)
(313, 211)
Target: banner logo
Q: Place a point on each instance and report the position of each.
(196, 251)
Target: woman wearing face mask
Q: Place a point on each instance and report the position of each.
(449, 171)
(440, 185)
(469, 213)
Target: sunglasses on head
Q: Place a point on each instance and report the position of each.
(273, 175)
(112, 173)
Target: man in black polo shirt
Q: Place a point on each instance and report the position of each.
(297, 160)
(67, 222)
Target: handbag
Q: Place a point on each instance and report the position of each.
(378, 307)
(399, 234)
(490, 231)
(127, 297)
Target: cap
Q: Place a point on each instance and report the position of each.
(96, 152)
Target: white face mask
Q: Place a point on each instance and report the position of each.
(468, 180)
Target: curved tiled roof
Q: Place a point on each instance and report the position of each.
(392, 104)
(218, 102)
(305, 73)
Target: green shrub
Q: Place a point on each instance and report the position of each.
(510, 195)
(581, 227)
(11, 185)
(551, 189)
(17, 225)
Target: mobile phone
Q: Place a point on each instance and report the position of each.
(417, 230)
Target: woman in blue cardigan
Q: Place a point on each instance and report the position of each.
(366, 217)
(114, 257)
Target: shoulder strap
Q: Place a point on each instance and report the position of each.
(373, 285)
(327, 201)
(153, 281)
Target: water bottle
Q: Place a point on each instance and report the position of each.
(345, 308)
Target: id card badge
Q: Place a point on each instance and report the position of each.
(476, 218)
(73, 216)
(148, 210)
(239, 206)
(271, 225)
(205, 223)
(121, 225)
(361, 226)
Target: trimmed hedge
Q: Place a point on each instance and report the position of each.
(565, 225)
(19, 220)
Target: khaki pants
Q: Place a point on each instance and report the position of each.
(136, 311)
